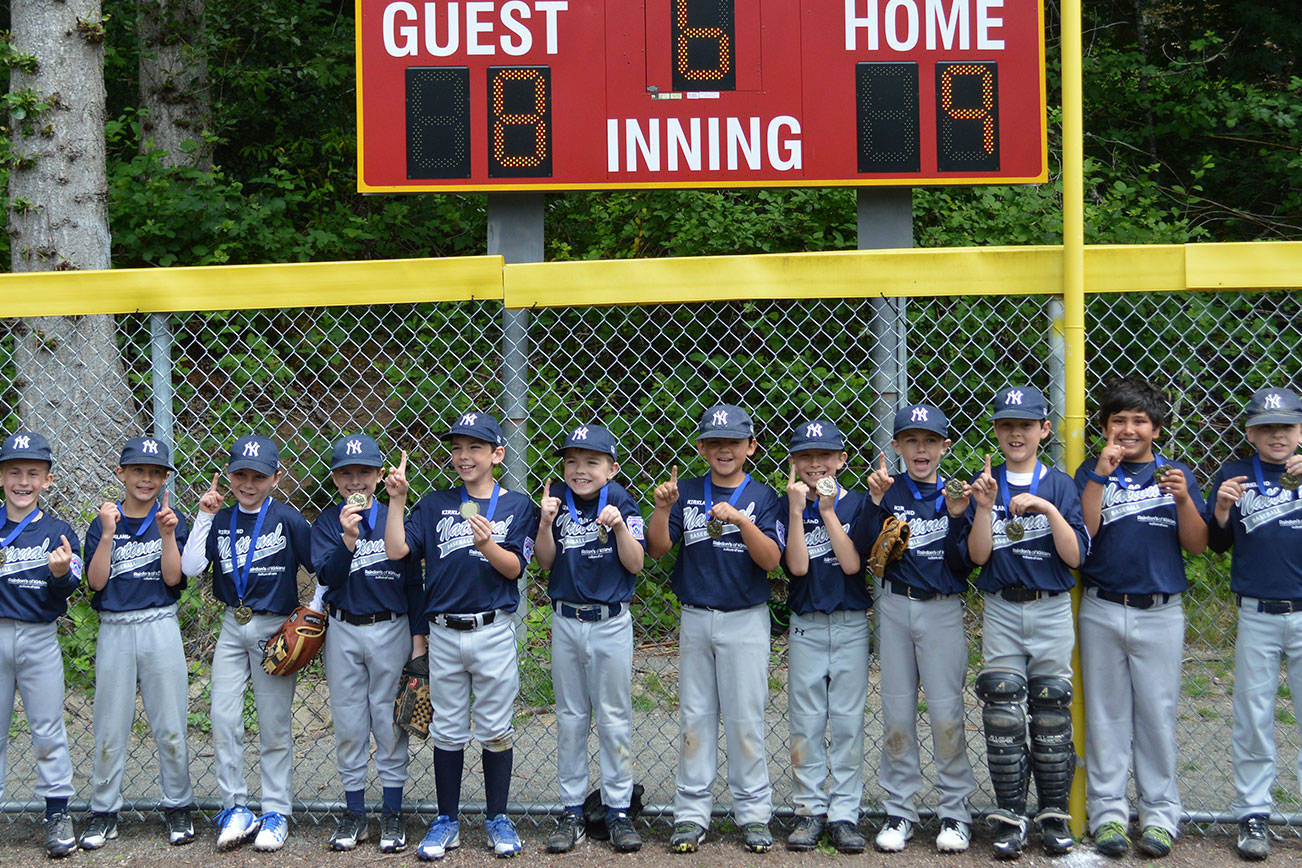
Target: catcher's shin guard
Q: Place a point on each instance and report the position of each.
(1002, 691)
(1053, 758)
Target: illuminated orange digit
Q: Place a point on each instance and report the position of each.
(721, 67)
(502, 119)
(985, 113)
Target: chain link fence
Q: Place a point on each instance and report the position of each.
(403, 372)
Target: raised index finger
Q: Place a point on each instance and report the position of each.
(883, 459)
(673, 475)
(66, 545)
(791, 479)
(402, 463)
(988, 472)
(165, 494)
(547, 489)
(216, 476)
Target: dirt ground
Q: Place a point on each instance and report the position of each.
(142, 843)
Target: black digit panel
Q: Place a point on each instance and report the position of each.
(519, 122)
(967, 117)
(438, 121)
(704, 39)
(886, 109)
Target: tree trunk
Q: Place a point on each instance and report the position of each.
(175, 100)
(68, 374)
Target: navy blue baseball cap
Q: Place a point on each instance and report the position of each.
(726, 422)
(816, 434)
(921, 417)
(26, 444)
(593, 437)
(146, 450)
(481, 426)
(253, 452)
(1021, 402)
(356, 449)
(1273, 407)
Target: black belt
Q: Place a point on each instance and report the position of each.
(1134, 601)
(360, 620)
(904, 590)
(590, 613)
(1023, 594)
(464, 623)
(1275, 607)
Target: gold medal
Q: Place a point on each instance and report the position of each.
(714, 528)
(1014, 530)
(602, 533)
(953, 488)
(2, 557)
(469, 509)
(357, 499)
(243, 614)
(826, 486)
(1288, 480)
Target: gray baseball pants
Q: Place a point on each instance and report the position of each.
(363, 665)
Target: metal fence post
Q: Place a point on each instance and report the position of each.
(160, 382)
(885, 220)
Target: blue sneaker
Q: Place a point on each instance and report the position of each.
(273, 832)
(235, 826)
(502, 837)
(444, 834)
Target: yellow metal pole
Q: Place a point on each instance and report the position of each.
(1073, 292)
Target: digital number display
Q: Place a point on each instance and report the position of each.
(598, 94)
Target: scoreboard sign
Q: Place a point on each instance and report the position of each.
(610, 94)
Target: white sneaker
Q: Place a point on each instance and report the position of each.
(894, 835)
(274, 831)
(235, 826)
(954, 836)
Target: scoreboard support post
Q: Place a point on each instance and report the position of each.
(885, 221)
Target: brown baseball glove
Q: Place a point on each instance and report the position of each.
(890, 545)
(295, 642)
(411, 707)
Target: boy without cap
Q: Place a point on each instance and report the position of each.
(476, 540)
(1141, 509)
(1027, 535)
(135, 575)
(732, 535)
(1255, 507)
(827, 657)
(922, 640)
(40, 565)
(590, 537)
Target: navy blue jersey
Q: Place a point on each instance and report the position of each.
(283, 545)
(1033, 561)
(28, 591)
(827, 587)
(587, 570)
(720, 573)
(1265, 529)
(1136, 549)
(458, 578)
(136, 565)
(936, 559)
(362, 581)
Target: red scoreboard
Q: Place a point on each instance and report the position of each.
(609, 94)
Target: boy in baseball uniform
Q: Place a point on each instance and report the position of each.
(1027, 535)
(134, 573)
(368, 641)
(827, 658)
(590, 536)
(256, 548)
(921, 637)
(732, 535)
(1255, 508)
(476, 540)
(1142, 509)
(39, 568)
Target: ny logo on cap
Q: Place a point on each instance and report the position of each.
(580, 434)
(720, 417)
(22, 441)
(469, 419)
(919, 414)
(354, 447)
(814, 429)
(149, 446)
(251, 449)
(1014, 396)
(1273, 402)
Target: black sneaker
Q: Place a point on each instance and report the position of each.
(1010, 833)
(1254, 839)
(756, 837)
(568, 833)
(180, 828)
(806, 833)
(1055, 834)
(623, 834)
(60, 840)
(393, 833)
(98, 830)
(350, 830)
(845, 837)
(687, 837)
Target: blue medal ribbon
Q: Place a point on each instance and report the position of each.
(240, 573)
(1004, 495)
(574, 512)
(1257, 470)
(492, 500)
(144, 525)
(732, 501)
(22, 525)
(940, 490)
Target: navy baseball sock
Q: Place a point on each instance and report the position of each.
(497, 779)
(393, 800)
(55, 806)
(355, 801)
(447, 780)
